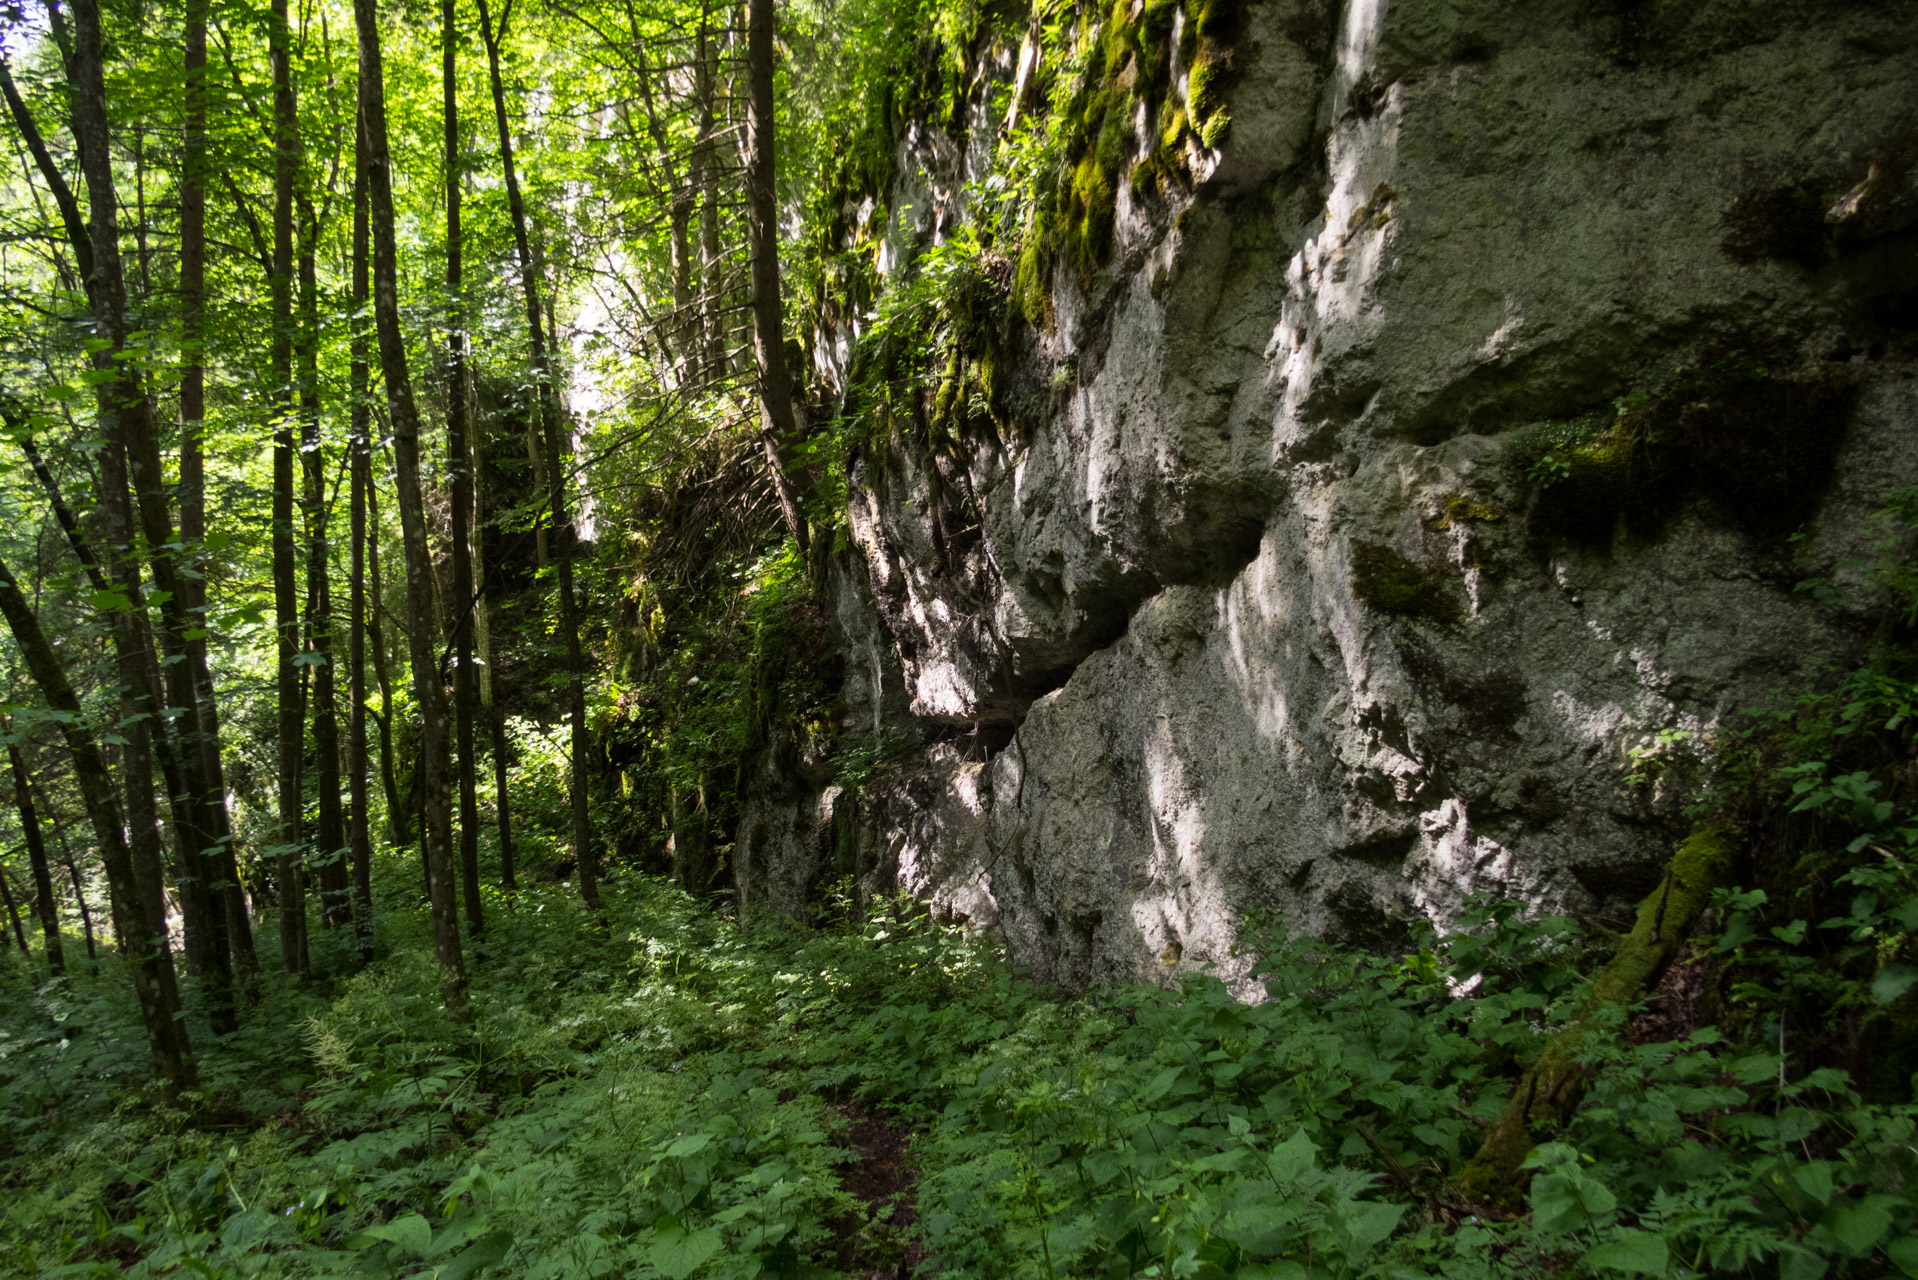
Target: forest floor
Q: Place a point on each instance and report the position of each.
(664, 1091)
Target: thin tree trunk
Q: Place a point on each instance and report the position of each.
(48, 908)
(711, 365)
(460, 471)
(336, 893)
(398, 807)
(13, 913)
(359, 833)
(137, 485)
(548, 408)
(762, 230)
(139, 710)
(73, 870)
(419, 568)
(491, 707)
(289, 843)
(216, 826)
(153, 978)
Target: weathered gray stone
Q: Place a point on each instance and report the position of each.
(1435, 226)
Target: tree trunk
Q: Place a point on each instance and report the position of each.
(460, 472)
(289, 842)
(712, 329)
(138, 486)
(152, 965)
(13, 913)
(46, 907)
(336, 893)
(73, 870)
(205, 938)
(548, 409)
(398, 807)
(419, 569)
(490, 705)
(359, 834)
(119, 396)
(140, 696)
(762, 230)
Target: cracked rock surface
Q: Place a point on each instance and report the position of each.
(1275, 613)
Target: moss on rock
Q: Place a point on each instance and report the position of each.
(1097, 127)
(1388, 582)
(1756, 443)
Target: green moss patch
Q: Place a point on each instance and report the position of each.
(1388, 582)
(1755, 442)
(1095, 128)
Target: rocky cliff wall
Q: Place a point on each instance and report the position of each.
(1468, 424)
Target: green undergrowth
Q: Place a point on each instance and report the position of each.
(659, 1094)
(709, 675)
(663, 1091)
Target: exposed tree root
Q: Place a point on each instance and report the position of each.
(1549, 1090)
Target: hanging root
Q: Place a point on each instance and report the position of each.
(1549, 1090)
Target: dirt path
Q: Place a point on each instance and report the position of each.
(878, 1243)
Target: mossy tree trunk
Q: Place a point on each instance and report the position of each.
(1548, 1092)
(776, 423)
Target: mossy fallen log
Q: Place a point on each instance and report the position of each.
(1549, 1090)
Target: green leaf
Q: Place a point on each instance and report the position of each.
(411, 1233)
(1567, 1200)
(1756, 1068)
(688, 1145)
(1857, 1226)
(112, 600)
(1292, 1157)
(1635, 1251)
(486, 1251)
(1737, 933)
(1795, 1263)
(195, 633)
(1904, 1252)
(1160, 1084)
(1892, 982)
(678, 1253)
(1369, 1222)
(1281, 1270)
(1814, 1180)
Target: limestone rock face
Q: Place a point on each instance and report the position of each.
(1413, 501)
